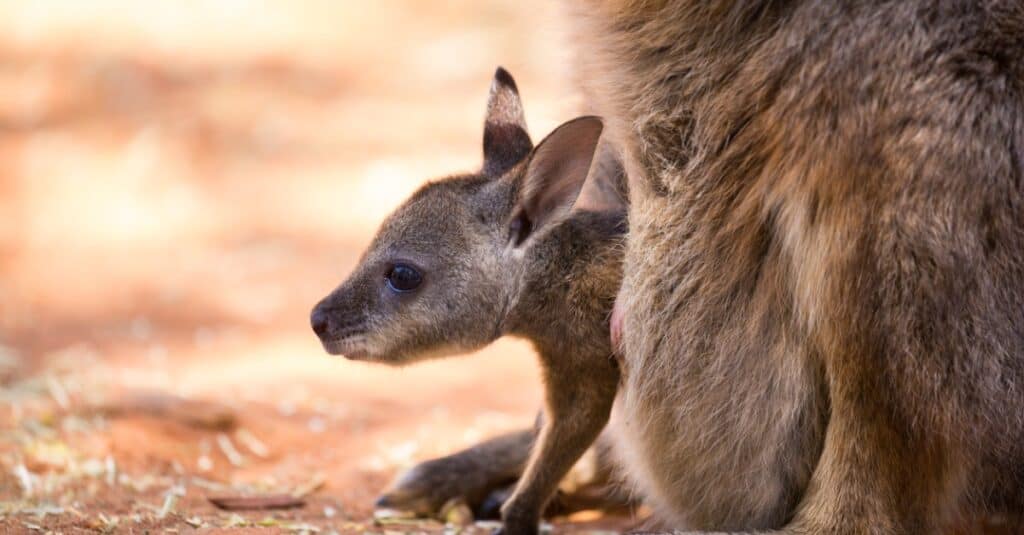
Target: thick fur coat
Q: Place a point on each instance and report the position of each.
(824, 278)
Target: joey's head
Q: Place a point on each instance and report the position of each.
(444, 268)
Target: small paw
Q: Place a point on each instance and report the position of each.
(520, 519)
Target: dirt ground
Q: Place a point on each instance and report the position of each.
(179, 183)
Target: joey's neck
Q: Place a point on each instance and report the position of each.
(569, 282)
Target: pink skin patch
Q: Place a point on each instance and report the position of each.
(616, 327)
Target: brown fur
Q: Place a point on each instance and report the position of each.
(471, 476)
(825, 268)
(502, 252)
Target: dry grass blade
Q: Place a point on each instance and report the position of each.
(111, 470)
(228, 449)
(58, 392)
(25, 479)
(170, 500)
(310, 486)
(255, 445)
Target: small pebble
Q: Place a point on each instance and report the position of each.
(455, 512)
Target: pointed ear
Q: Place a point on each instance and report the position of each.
(506, 142)
(555, 175)
(605, 189)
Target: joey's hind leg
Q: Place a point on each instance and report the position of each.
(472, 475)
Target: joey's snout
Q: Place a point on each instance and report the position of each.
(340, 332)
(318, 320)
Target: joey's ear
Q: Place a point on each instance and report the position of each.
(506, 142)
(555, 175)
(605, 189)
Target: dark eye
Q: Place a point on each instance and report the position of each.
(403, 278)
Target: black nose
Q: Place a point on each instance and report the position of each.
(318, 319)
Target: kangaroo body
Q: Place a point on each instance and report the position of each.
(824, 277)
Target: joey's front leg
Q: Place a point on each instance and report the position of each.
(579, 403)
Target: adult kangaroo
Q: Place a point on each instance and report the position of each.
(823, 303)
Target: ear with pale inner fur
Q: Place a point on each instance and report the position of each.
(506, 142)
(555, 175)
(605, 189)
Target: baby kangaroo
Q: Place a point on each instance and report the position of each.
(529, 247)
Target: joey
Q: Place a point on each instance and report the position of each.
(529, 246)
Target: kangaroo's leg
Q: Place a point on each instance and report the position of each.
(876, 475)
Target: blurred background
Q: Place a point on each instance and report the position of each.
(180, 181)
